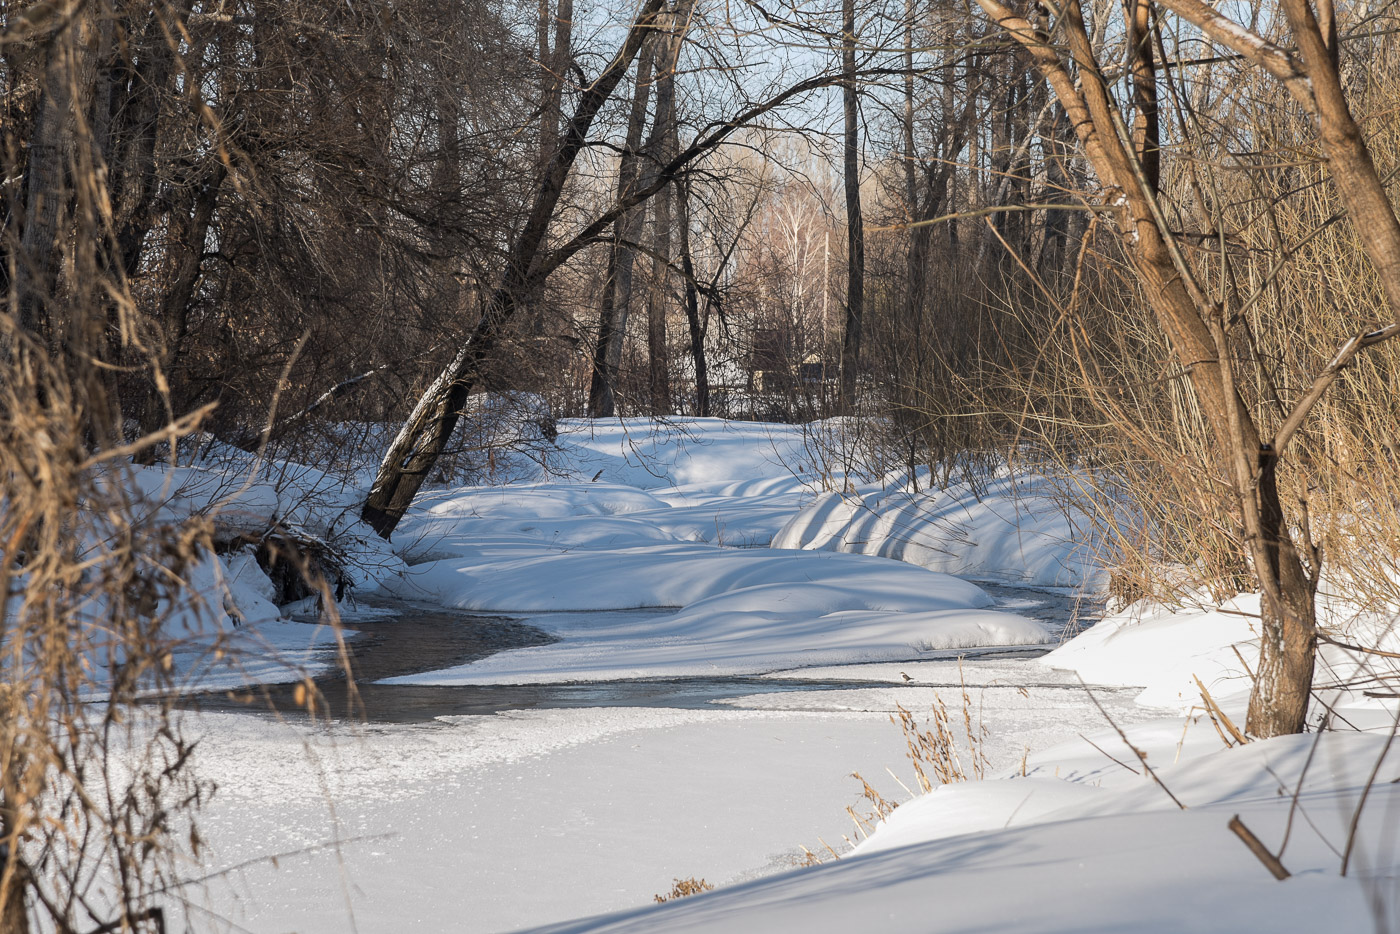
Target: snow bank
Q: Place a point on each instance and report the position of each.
(226, 630)
(1109, 851)
(1014, 531)
(742, 611)
(1164, 650)
(288, 496)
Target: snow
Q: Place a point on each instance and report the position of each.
(704, 549)
(1166, 649)
(743, 611)
(1155, 872)
(1011, 528)
(1098, 850)
(691, 452)
(601, 543)
(535, 816)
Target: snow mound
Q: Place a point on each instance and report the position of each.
(654, 455)
(1165, 650)
(683, 574)
(1111, 853)
(742, 611)
(1014, 531)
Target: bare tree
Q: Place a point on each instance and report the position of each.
(1202, 327)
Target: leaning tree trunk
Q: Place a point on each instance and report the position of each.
(425, 433)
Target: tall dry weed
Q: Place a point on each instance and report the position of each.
(96, 788)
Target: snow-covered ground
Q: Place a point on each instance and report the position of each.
(532, 817)
(713, 550)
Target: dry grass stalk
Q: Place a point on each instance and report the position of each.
(934, 752)
(686, 887)
(1219, 717)
(880, 808)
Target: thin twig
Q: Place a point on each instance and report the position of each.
(1298, 789)
(1257, 847)
(1366, 793)
(1107, 755)
(1142, 756)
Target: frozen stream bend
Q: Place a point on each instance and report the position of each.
(490, 794)
(395, 640)
(547, 802)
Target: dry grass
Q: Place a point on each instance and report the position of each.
(942, 753)
(95, 786)
(98, 793)
(683, 888)
(949, 749)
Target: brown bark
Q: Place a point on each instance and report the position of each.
(1198, 335)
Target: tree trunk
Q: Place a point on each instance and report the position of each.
(617, 290)
(133, 167)
(1196, 329)
(658, 303)
(1287, 644)
(692, 305)
(663, 148)
(554, 65)
(1054, 240)
(855, 233)
(189, 225)
(46, 196)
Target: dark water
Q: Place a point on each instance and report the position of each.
(418, 639)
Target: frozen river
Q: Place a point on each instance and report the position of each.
(496, 807)
(401, 639)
